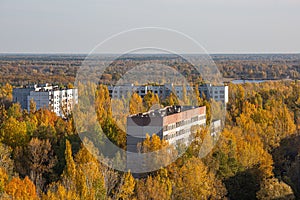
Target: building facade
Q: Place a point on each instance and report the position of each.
(60, 101)
(172, 123)
(218, 93)
(120, 91)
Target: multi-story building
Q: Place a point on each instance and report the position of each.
(60, 101)
(172, 123)
(218, 93)
(120, 91)
(20, 94)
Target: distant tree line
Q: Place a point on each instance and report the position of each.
(22, 70)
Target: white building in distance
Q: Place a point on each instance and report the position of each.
(60, 101)
(218, 93)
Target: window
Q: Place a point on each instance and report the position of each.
(165, 128)
(194, 119)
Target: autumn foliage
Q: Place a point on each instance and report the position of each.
(256, 156)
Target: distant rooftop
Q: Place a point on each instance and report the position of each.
(43, 87)
(166, 111)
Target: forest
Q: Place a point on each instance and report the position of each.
(256, 157)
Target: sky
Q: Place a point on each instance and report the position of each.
(220, 26)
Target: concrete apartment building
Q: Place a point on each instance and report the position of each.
(120, 91)
(172, 123)
(218, 93)
(60, 101)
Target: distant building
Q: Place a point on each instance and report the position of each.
(215, 127)
(60, 101)
(120, 91)
(172, 123)
(218, 93)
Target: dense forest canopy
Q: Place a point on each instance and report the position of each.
(256, 156)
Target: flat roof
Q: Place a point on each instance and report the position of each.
(163, 112)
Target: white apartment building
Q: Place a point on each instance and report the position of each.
(60, 101)
(120, 91)
(218, 93)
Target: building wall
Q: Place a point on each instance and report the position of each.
(50, 97)
(215, 127)
(175, 127)
(137, 128)
(218, 93)
(41, 99)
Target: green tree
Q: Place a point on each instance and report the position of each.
(13, 133)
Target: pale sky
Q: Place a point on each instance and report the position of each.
(220, 26)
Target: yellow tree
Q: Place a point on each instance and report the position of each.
(15, 111)
(90, 177)
(163, 153)
(32, 106)
(126, 189)
(6, 92)
(102, 103)
(274, 189)
(156, 186)
(152, 188)
(67, 188)
(69, 174)
(197, 94)
(3, 181)
(59, 192)
(136, 104)
(6, 163)
(171, 100)
(21, 189)
(195, 181)
(150, 99)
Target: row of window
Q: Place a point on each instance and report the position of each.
(183, 122)
(221, 92)
(176, 134)
(221, 97)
